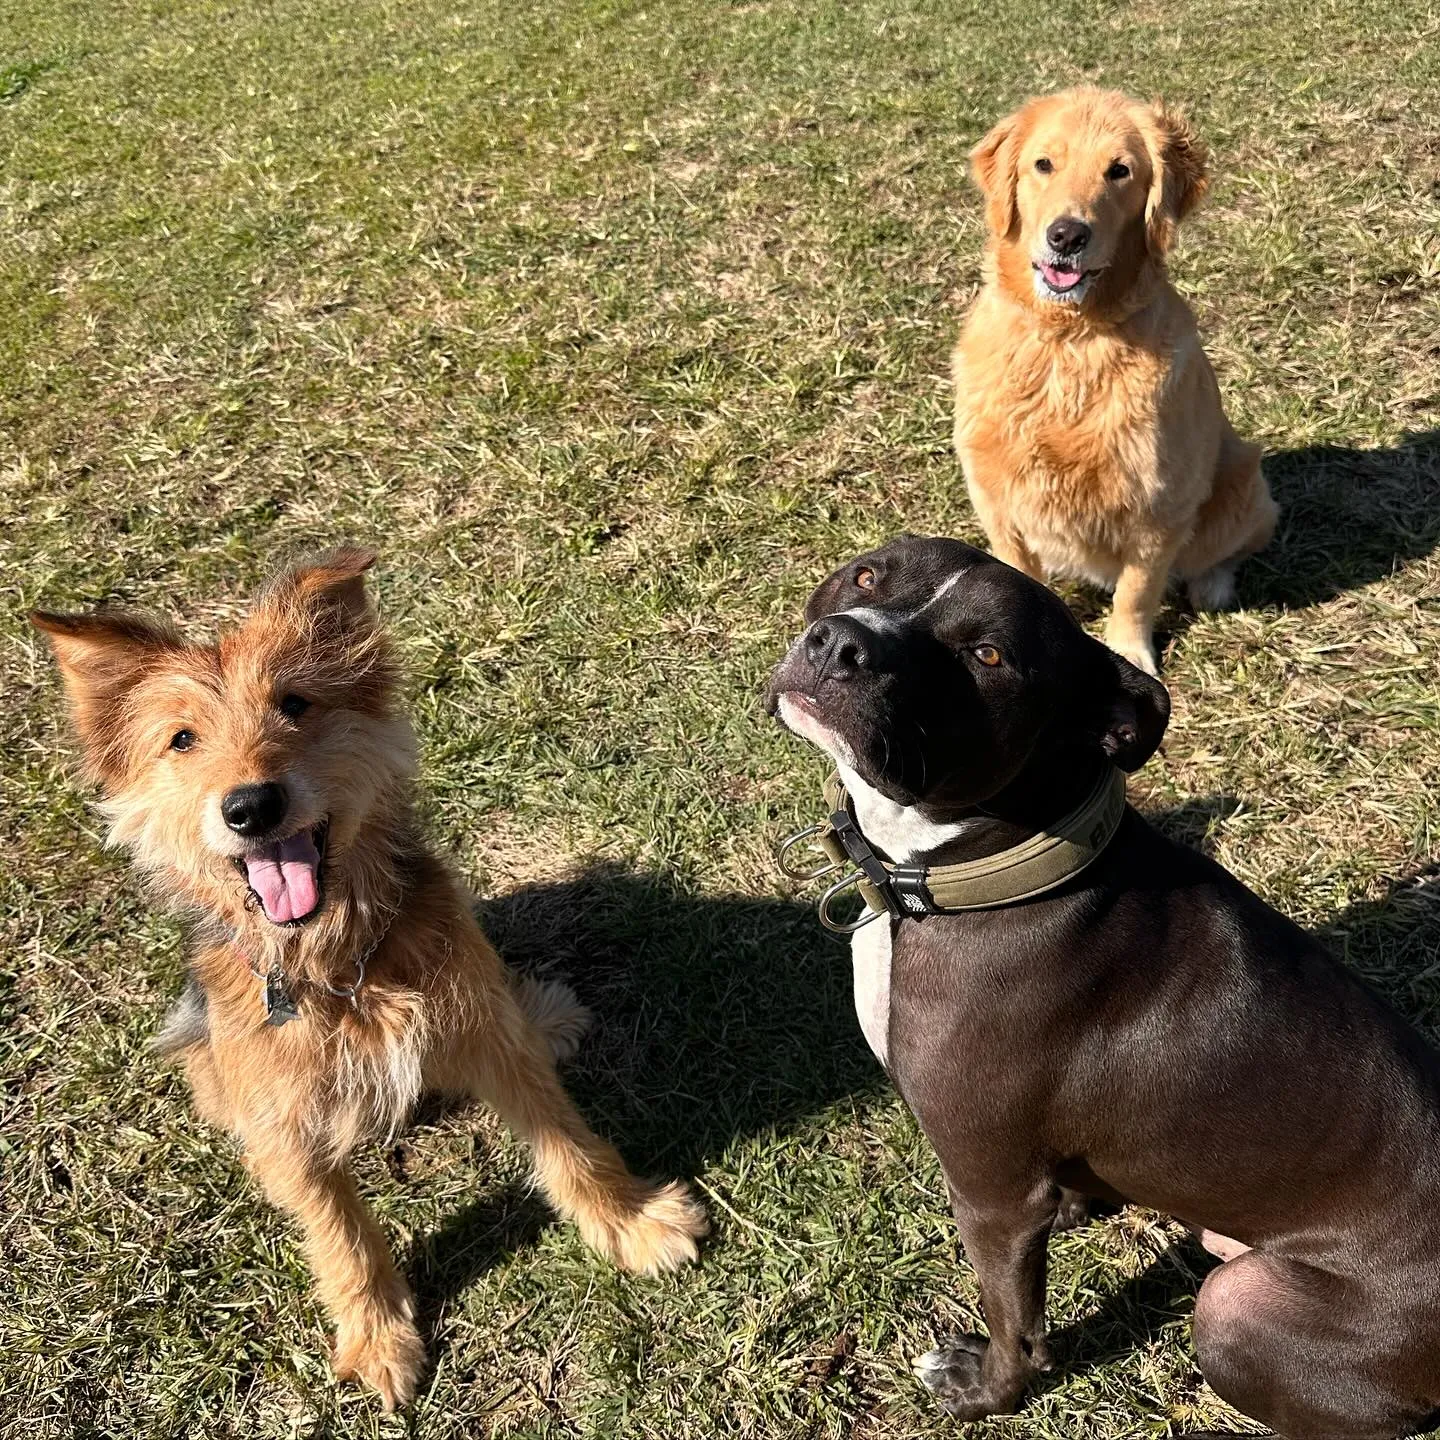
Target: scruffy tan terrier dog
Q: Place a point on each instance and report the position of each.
(265, 783)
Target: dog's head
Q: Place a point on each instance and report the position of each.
(240, 773)
(1083, 187)
(936, 674)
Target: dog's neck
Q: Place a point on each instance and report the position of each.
(936, 832)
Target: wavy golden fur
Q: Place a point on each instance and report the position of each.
(436, 1010)
(1087, 417)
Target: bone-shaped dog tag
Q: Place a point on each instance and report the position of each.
(280, 1004)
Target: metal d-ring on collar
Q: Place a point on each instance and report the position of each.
(1023, 871)
(905, 883)
(840, 833)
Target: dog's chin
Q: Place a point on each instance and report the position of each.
(804, 716)
(1061, 284)
(285, 879)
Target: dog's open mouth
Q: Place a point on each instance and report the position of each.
(285, 875)
(1061, 278)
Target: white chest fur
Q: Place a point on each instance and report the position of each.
(870, 956)
(905, 836)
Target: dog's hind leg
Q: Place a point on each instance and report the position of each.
(1310, 1353)
(507, 1063)
(1238, 519)
(375, 1338)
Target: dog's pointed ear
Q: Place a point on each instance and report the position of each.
(993, 163)
(1179, 173)
(331, 583)
(102, 657)
(1131, 711)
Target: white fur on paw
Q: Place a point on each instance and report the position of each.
(1214, 590)
(556, 1012)
(1141, 656)
(930, 1366)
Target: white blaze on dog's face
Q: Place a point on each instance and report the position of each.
(240, 772)
(1081, 188)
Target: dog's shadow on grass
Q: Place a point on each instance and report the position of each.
(1347, 517)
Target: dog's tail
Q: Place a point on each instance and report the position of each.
(555, 1011)
(187, 1023)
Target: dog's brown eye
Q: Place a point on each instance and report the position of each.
(987, 654)
(294, 706)
(182, 739)
(1043, 166)
(1118, 171)
(865, 579)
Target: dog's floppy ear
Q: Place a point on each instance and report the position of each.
(993, 163)
(1179, 174)
(102, 657)
(316, 621)
(1131, 710)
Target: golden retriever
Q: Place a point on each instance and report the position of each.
(1087, 418)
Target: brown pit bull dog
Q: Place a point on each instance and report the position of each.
(1074, 1005)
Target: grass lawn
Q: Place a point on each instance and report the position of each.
(615, 324)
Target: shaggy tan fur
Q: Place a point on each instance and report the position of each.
(436, 1010)
(1090, 429)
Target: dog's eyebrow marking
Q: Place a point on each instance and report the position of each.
(941, 591)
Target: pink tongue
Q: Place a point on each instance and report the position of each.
(286, 878)
(1061, 279)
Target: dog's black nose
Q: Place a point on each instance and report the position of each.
(1067, 235)
(254, 809)
(836, 647)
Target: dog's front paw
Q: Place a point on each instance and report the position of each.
(1140, 653)
(657, 1233)
(955, 1375)
(383, 1352)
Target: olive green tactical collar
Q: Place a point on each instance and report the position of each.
(1043, 862)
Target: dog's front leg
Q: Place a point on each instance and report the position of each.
(509, 1064)
(975, 1377)
(375, 1338)
(1138, 593)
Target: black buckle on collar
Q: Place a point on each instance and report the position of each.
(903, 888)
(909, 888)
